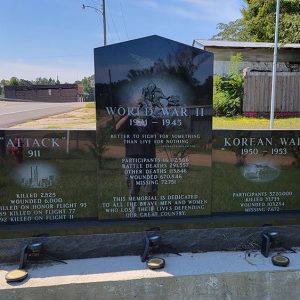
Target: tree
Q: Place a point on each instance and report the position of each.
(233, 31)
(258, 22)
(14, 81)
(88, 87)
(3, 83)
(25, 82)
(44, 81)
(229, 89)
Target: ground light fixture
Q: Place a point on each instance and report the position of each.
(28, 251)
(269, 240)
(34, 251)
(152, 244)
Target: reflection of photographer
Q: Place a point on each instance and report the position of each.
(140, 149)
(17, 150)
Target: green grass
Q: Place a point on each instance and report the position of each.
(91, 117)
(90, 105)
(254, 123)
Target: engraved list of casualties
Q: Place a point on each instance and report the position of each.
(153, 101)
(46, 176)
(256, 171)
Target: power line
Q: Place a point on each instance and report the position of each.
(112, 40)
(114, 25)
(94, 2)
(124, 22)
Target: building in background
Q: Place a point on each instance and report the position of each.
(46, 93)
(257, 63)
(256, 56)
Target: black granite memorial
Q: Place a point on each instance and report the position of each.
(154, 124)
(153, 161)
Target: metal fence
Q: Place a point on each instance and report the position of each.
(257, 92)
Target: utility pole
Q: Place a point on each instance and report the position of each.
(103, 13)
(273, 95)
(104, 21)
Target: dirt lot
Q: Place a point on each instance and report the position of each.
(84, 118)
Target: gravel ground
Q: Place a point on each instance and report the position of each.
(84, 118)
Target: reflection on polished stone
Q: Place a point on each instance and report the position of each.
(47, 176)
(256, 171)
(154, 123)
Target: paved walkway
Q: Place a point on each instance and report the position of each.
(12, 113)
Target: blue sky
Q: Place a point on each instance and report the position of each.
(50, 38)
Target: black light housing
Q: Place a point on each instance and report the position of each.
(152, 244)
(269, 240)
(31, 251)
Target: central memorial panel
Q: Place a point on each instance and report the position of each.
(154, 120)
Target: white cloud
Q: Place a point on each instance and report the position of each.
(150, 3)
(179, 11)
(217, 10)
(220, 11)
(166, 8)
(30, 71)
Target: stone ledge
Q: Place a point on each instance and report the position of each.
(211, 275)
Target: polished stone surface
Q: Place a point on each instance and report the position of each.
(256, 172)
(154, 125)
(47, 176)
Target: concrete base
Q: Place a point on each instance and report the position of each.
(212, 275)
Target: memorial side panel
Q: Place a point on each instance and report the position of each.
(47, 176)
(256, 172)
